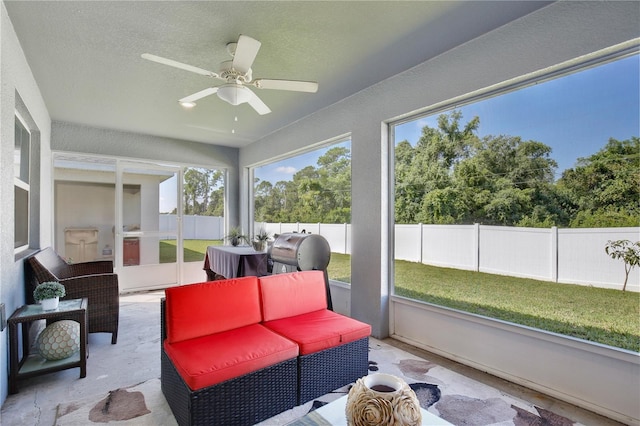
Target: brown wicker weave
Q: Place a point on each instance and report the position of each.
(324, 371)
(93, 280)
(244, 400)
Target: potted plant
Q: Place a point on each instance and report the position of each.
(235, 236)
(48, 294)
(260, 240)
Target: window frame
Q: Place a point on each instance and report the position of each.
(327, 144)
(558, 71)
(21, 184)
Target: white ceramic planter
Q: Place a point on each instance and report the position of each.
(50, 304)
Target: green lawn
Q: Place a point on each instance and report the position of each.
(340, 267)
(611, 317)
(194, 250)
(601, 315)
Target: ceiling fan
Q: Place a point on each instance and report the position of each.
(237, 75)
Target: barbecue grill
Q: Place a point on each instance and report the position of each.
(301, 252)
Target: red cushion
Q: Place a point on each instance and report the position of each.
(212, 359)
(319, 330)
(197, 310)
(295, 293)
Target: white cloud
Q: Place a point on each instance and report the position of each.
(289, 170)
(423, 122)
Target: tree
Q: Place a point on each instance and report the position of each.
(626, 251)
(203, 192)
(452, 176)
(334, 170)
(305, 194)
(193, 190)
(408, 193)
(429, 167)
(605, 186)
(512, 179)
(262, 200)
(315, 194)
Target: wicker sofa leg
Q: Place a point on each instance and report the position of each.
(245, 400)
(324, 371)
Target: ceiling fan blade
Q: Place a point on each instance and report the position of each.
(257, 104)
(296, 86)
(246, 51)
(199, 95)
(177, 64)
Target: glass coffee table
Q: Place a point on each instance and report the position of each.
(30, 365)
(333, 414)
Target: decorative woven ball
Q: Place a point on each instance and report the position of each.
(59, 340)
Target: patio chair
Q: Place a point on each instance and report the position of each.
(93, 280)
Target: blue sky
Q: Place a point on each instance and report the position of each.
(575, 115)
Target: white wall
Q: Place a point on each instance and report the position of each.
(16, 76)
(94, 211)
(555, 34)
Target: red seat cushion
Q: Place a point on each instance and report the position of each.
(212, 359)
(197, 310)
(295, 293)
(319, 330)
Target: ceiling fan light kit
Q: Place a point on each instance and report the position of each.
(234, 93)
(236, 74)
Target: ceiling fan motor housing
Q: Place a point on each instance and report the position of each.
(232, 75)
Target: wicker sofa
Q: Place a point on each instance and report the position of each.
(239, 351)
(94, 280)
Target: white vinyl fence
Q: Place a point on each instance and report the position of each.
(574, 256)
(195, 227)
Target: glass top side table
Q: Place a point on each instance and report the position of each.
(30, 365)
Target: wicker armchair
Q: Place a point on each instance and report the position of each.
(93, 280)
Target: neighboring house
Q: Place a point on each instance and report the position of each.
(597, 378)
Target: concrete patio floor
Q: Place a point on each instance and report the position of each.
(136, 359)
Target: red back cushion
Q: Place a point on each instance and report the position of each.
(287, 295)
(197, 310)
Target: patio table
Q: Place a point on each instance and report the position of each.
(233, 262)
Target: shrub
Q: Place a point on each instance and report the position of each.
(48, 290)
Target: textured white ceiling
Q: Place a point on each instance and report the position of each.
(85, 56)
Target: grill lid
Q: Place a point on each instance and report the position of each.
(305, 251)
